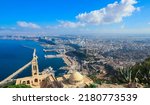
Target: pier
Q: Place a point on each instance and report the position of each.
(49, 50)
(15, 73)
(71, 64)
(55, 50)
(54, 56)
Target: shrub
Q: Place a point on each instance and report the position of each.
(91, 86)
(19, 86)
(139, 73)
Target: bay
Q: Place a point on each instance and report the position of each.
(16, 53)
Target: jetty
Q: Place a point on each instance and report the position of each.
(54, 56)
(71, 64)
(15, 73)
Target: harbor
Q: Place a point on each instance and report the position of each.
(71, 64)
(19, 53)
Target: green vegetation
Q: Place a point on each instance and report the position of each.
(135, 76)
(91, 86)
(12, 84)
(5, 85)
(18, 86)
(126, 75)
(95, 79)
(139, 73)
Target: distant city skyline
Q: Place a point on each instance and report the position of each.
(53, 17)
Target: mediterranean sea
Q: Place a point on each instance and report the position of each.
(16, 53)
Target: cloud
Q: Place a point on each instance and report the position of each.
(70, 24)
(112, 13)
(28, 25)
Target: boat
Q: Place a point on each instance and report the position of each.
(48, 70)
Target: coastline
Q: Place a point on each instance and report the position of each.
(18, 53)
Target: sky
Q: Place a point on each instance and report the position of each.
(53, 17)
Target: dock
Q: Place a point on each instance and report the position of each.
(15, 73)
(54, 56)
(71, 64)
(49, 50)
(55, 50)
